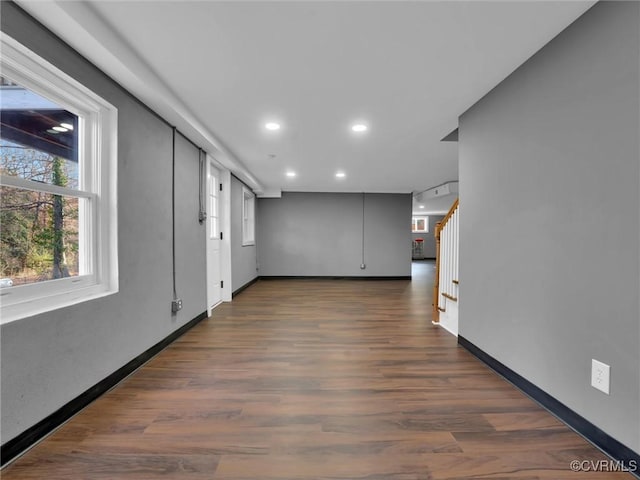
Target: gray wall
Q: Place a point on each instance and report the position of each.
(550, 213)
(429, 244)
(243, 258)
(320, 234)
(49, 359)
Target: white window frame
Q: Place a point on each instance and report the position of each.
(97, 150)
(414, 223)
(248, 217)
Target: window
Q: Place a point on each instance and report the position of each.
(214, 220)
(58, 241)
(248, 217)
(420, 224)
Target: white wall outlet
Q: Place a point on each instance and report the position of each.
(600, 376)
(176, 305)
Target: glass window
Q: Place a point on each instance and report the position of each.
(214, 223)
(57, 185)
(420, 224)
(40, 237)
(248, 217)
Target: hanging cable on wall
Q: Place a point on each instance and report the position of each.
(202, 214)
(175, 304)
(363, 265)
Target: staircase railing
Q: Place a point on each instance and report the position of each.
(446, 282)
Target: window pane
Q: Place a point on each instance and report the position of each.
(39, 238)
(420, 224)
(213, 209)
(214, 228)
(38, 139)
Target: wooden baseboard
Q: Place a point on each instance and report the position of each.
(605, 442)
(14, 447)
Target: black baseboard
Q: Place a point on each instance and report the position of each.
(588, 430)
(330, 277)
(29, 437)
(238, 291)
(310, 277)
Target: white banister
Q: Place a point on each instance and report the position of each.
(446, 287)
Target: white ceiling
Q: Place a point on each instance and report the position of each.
(220, 70)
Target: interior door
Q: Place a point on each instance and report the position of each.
(214, 288)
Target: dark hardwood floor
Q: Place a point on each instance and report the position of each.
(314, 379)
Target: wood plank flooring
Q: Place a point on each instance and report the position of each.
(314, 379)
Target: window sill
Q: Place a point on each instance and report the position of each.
(37, 306)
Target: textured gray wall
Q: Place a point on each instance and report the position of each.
(243, 258)
(550, 218)
(49, 359)
(320, 234)
(429, 244)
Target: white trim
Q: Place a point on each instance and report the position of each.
(46, 80)
(224, 222)
(275, 193)
(82, 27)
(25, 184)
(415, 218)
(449, 328)
(225, 243)
(98, 183)
(79, 292)
(248, 217)
(213, 261)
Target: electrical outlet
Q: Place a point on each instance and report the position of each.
(176, 305)
(600, 376)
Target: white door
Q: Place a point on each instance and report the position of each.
(214, 288)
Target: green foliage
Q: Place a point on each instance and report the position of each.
(59, 176)
(38, 231)
(14, 238)
(39, 260)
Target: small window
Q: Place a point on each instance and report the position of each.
(248, 217)
(214, 220)
(58, 243)
(420, 224)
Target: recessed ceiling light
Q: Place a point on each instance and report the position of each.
(51, 130)
(341, 175)
(60, 129)
(68, 126)
(291, 174)
(272, 126)
(359, 127)
(421, 206)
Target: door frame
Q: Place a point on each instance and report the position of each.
(224, 207)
